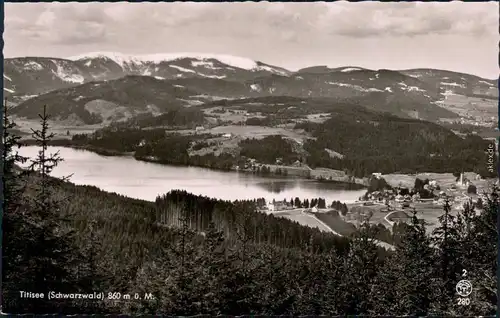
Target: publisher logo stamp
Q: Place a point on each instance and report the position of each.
(464, 288)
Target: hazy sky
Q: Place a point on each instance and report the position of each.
(456, 36)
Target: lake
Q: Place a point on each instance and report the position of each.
(144, 180)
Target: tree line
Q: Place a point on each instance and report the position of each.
(268, 149)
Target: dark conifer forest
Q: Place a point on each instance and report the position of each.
(403, 145)
(185, 255)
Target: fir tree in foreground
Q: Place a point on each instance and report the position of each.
(14, 229)
(414, 289)
(44, 256)
(482, 257)
(448, 265)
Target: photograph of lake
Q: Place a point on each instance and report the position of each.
(321, 159)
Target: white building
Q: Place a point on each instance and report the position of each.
(463, 181)
(377, 175)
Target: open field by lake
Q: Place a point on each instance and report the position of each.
(486, 108)
(60, 130)
(444, 180)
(259, 132)
(306, 219)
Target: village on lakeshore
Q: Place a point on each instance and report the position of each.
(392, 198)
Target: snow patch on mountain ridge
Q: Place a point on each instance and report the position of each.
(351, 69)
(66, 76)
(182, 69)
(33, 66)
(123, 59)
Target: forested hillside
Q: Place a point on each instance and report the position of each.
(383, 143)
(201, 256)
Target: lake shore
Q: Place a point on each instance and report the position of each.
(145, 180)
(319, 174)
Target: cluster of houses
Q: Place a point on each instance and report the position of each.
(464, 182)
(201, 129)
(277, 206)
(393, 195)
(403, 200)
(251, 163)
(297, 163)
(401, 197)
(283, 206)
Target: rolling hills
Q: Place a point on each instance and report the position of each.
(106, 101)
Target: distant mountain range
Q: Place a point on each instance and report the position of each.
(34, 75)
(78, 88)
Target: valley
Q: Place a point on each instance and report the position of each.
(253, 130)
(233, 113)
(324, 141)
(366, 121)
